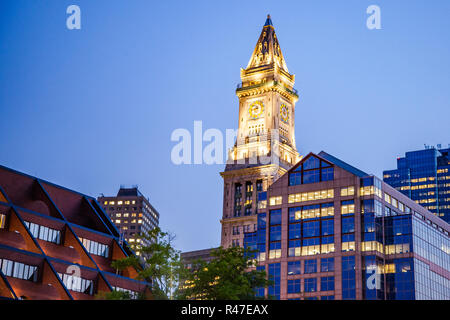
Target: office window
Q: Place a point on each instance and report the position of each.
(275, 217)
(348, 191)
(311, 285)
(293, 268)
(311, 266)
(273, 201)
(348, 224)
(327, 227)
(348, 207)
(294, 248)
(311, 228)
(2, 221)
(275, 233)
(309, 196)
(274, 275)
(259, 185)
(311, 171)
(44, 233)
(293, 286)
(295, 231)
(96, 248)
(327, 264)
(394, 202)
(326, 283)
(348, 278)
(18, 270)
(77, 284)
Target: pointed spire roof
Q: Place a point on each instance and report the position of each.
(267, 49)
(268, 21)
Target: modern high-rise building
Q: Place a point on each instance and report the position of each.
(322, 228)
(57, 244)
(424, 176)
(331, 231)
(265, 147)
(131, 212)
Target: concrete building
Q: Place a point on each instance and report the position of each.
(424, 176)
(131, 212)
(189, 257)
(56, 243)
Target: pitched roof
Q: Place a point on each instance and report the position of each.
(267, 49)
(342, 164)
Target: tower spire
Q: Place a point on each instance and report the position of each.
(268, 21)
(267, 50)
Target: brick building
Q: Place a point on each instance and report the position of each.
(56, 243)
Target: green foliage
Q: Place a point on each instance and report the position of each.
(159, 263)
(230, 275)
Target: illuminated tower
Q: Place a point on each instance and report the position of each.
(265, 147)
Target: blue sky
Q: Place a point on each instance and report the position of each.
(92, 109)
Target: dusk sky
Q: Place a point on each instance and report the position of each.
(93, 109)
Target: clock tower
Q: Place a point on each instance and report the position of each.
(265, 145)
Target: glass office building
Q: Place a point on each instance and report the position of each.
(333, 232)
(424, 176)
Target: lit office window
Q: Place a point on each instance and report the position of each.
(348, 207)
(2, 221)
(348, 191)
(309, 196)
(96, 248)
(44, 233)
(394, 202)
(387, 198)
(275, 200)
(77, 284)
(18, 270)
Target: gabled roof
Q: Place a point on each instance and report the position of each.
(331, 160)
(342, 164)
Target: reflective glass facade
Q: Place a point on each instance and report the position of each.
(424, 176)
(365, 241)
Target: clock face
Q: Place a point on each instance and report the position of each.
(256, 110)
(284, 113)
